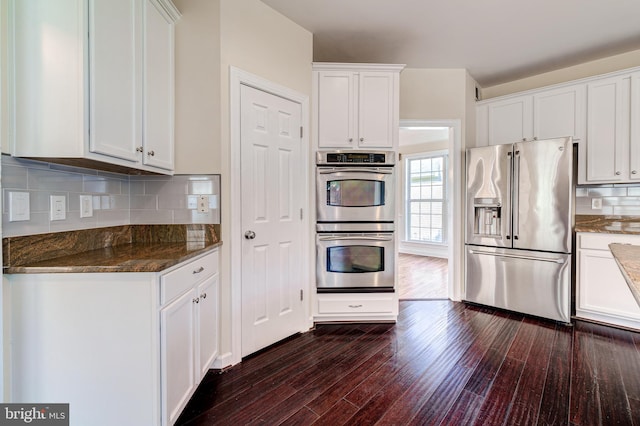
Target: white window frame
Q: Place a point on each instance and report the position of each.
(407, 199)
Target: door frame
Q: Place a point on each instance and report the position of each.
(237, 78)
(455, 181)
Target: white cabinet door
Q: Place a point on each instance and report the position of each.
(158, 88)
(510, 120)
(207, 323)
(607, 130)
(634, 138)
(560, 112)
(375, 110)
(602, 294)
(115, 78)
(337, 109)
(177, 354)
(602, 288)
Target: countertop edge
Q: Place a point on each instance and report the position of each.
(133, 265)
(626, 268)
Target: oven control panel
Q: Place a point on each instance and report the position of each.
(336, 158)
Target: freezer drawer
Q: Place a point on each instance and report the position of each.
(530, 282)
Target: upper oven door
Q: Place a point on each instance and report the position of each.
(355, 194)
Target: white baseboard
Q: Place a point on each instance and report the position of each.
(424, 250)
(223, 361)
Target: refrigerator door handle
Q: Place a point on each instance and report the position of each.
(516, 194)
(510, 175)
(541, 259)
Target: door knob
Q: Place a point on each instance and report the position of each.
(249, 235)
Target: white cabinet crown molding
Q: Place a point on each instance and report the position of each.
(169, 9)
(337, 66)
(537, 90)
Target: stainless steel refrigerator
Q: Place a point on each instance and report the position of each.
(519, 227)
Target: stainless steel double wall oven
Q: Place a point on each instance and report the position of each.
(355, 239)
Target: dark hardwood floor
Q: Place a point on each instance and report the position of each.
(422, 277)
(442, 363)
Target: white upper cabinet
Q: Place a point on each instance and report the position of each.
(559, 112)
(93, 81)
(612, 151)
(540, 115)
(357, 105)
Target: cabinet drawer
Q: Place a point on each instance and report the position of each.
(379, 305)
(179, 280)
(594, 241)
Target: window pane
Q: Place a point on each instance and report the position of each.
(427, 195)
(415, 193)
(437, 192)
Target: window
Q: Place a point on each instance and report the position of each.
(426, 198)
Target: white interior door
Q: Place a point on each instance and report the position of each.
(272, 185)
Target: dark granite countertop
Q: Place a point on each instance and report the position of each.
(607, 224)
(133, 257)
(129, 248)
(628, 258)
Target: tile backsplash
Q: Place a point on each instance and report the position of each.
(619, 200)
(116, 199)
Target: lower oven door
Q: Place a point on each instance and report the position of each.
(355, 262)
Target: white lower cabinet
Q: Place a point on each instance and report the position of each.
(120, 348)
(188, 342)
(602, 293)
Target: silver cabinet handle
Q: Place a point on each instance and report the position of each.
(196, 300)
(249, 235)
(151, 153)
(139, 149)
(203, 296)
(350, 139)
(618, 173)
(361, 139)
(355, 306)
(634, 172)
(200, 269)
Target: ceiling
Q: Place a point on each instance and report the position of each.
(495, 40)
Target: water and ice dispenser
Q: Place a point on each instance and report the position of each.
(488, 214)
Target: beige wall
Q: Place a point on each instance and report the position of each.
(258, 40)
(432, 94)
(4, 139)
(197, 87)
(587, 69)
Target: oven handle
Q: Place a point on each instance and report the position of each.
(324, 171)
(355, 238)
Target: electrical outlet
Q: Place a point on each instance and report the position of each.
(86, 206)
(58, 207)
(596, 203)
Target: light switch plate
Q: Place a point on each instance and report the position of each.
(19, 206)
(86, 206)
(58, 207)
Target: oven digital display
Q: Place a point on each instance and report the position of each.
(355, 193)
(355, 157)
(355, 259)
